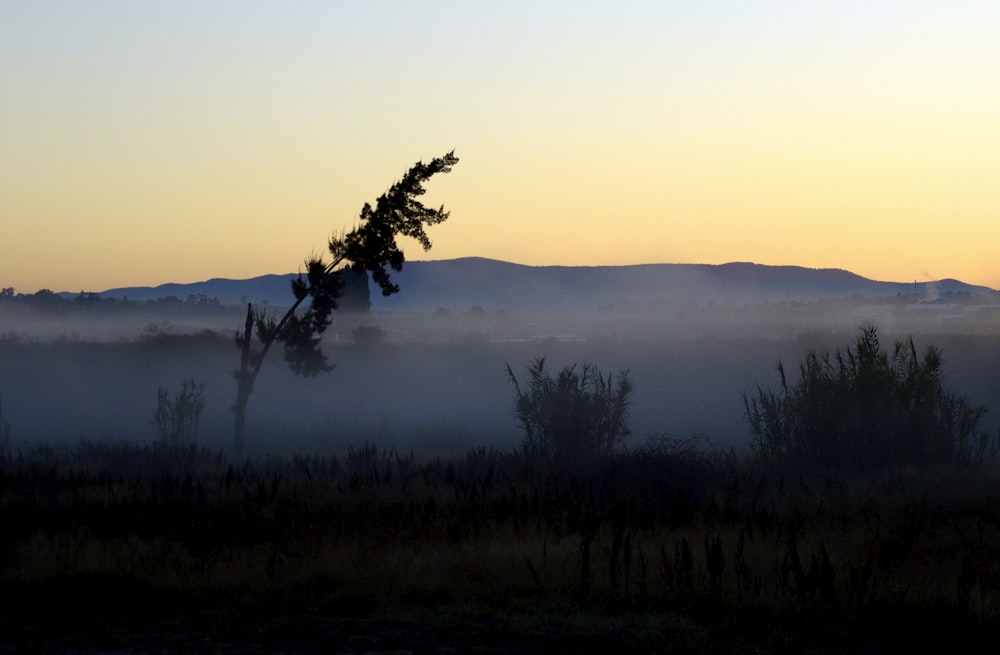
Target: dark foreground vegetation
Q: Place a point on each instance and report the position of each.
(668, 547)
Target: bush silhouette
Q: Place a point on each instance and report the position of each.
(866, 408)
(176, 420)
(577, 414)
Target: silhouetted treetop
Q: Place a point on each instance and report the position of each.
(371, 246)
(368, 248)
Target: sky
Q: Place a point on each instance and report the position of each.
(152, 142)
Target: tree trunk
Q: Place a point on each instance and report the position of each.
(244, 384)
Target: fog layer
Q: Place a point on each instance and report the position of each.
(436, 381)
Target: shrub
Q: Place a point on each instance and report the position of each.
(578, 413)
(367, 335)
(176, 420)
(866, 408)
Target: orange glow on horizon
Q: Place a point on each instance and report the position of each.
(176, 144)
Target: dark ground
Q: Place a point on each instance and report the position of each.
(454, 631)
(61, 633)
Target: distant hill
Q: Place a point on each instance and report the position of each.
(265, 288)
(460, 284)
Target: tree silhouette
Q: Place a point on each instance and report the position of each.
(369, 249)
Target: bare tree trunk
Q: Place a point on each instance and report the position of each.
(244, 384)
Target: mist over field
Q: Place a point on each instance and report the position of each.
(884, 519)
(435, 380)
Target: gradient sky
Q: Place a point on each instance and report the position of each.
(150, 142)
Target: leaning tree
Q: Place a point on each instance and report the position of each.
(369, 249)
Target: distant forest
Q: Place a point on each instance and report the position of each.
(355, 299)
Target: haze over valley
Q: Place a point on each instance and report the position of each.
(425, 369)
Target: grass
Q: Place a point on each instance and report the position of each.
(683, 543)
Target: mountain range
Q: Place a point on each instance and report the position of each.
(461, 284)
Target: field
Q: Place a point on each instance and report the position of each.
(672, 547)
(387, 507)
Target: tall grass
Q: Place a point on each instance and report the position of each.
(668, 528)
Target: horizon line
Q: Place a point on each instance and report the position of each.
(541, 266)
